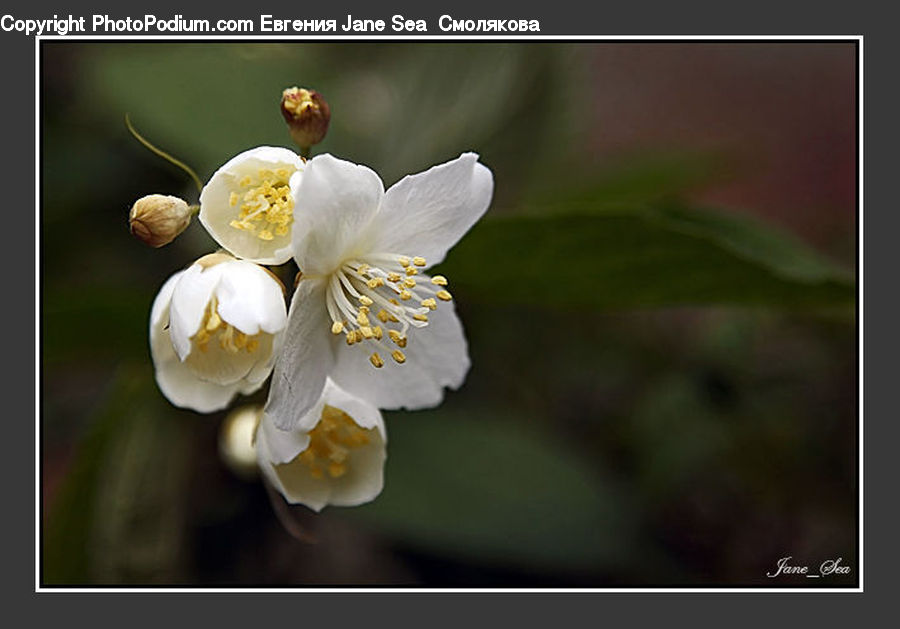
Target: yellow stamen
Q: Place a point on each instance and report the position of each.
(430, 303)
(418, 261)
(337, 327)
(366, 301)
(398, 356)
(403, 260)
(440, 280)
(376, 361)
(420, 317)
(443, 295)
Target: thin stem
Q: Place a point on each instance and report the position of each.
(163, 154)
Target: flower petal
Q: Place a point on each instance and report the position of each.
(427, 213)
(283, 446)
(306, 360)
(190, 297)
(333, 207)
(250, 299)
(436, 357)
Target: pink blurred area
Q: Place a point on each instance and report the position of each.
(782, 114)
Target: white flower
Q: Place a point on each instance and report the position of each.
(215, 329)
(364, 313)
(248, 205)
(334, 456)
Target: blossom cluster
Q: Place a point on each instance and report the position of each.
(368, 327)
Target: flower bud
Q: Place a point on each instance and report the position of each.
(157, 219)
(307, 115)
(237, 440)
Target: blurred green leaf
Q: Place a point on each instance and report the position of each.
(118, 515)
(641, 258)
(632, 180)
(499, 491)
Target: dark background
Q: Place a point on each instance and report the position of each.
(661, 393)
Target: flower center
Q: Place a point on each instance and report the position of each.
(266, 203)
(384, 287)
(331, 442)
(229, 338)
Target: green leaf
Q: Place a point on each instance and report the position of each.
(641, 258)
(491, 488)
(118, 515)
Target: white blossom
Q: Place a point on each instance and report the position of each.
(333, 456)
(365, 313)
(248, 204)
(215, 330)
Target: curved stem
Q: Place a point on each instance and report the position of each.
(163, 154)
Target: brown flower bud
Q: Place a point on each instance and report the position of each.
(307, 115)
(157, 219)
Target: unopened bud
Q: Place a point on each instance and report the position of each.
(157, 219)
(237, 440)
(307, 115)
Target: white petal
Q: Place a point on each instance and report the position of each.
(250, 299)
(306, 359)
(219, 366)
(283, 446)
(189, 301)
(363, 414)
(217, 212)
(181, 387)
(333, 207)
(427, 213)
(436, 357)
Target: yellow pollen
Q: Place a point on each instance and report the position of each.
(365, 301)
(362, 319)
(440, 280)
(376, 361)
(405, 295)
(403, 260)
(398, 356)
(429, 303)
(268, 205)
(409, 282)
(367, 332)
(337, 327)
(394, 301)
(378, 332)
(384, 316)
(363, 268)
(411, 270)
(393, 277)
(331, 444)
(443, 295)
(418, 261)
(420, 317)
(227, 336)
(375, 282)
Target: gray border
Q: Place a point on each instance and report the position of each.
(671, 18)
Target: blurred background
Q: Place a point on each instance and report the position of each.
(663, 384)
